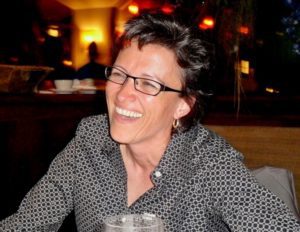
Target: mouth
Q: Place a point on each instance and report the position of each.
(127, 113)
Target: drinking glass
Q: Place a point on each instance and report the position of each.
(133, 223)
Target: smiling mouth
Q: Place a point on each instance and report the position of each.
(127, 113)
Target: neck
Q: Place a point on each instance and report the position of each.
(143, 157)
(140, 160)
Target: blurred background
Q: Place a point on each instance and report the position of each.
(258, 41)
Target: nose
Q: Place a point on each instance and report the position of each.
(127, 90)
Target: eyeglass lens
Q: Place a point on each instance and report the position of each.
(143, 85)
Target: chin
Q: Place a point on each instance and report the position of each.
(119, 136)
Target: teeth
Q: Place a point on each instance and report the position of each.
(127, 113)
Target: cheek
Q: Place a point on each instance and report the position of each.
(110, 94)
(109, 88)
(164, 108)
(111, 91)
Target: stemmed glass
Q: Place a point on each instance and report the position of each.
(133, 223)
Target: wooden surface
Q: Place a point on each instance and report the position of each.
(272, 146)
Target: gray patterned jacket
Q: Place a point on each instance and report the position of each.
(200, 184)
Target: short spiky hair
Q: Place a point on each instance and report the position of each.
(189, 48)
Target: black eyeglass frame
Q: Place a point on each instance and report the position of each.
(162, 86)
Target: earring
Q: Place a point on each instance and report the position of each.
(175, 123)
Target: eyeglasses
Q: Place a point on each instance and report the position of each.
(143, 85)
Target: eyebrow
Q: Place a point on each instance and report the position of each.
(143, 75)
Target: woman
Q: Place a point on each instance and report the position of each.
(151, 154)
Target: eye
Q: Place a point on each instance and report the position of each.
(117, 75)
(149, 85)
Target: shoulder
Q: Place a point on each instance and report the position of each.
(93, 125)
(217, 160)
(202, 150)
(211, 152)
(222, 163)
(93, 131)
(213, 146)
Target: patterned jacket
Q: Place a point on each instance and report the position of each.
(200, 184)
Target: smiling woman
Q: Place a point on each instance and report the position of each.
(150, 154)
(157, 110)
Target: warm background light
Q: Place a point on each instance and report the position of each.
(91, 36)
(245, 66)
(133, 8)
(207, 23)
(244, 30)
(167, 8)
(53, 31)
(67, 62)
(91, 25)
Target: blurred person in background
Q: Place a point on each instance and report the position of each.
(92, 69)
(53, 53)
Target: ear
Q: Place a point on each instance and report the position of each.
(184, 107)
